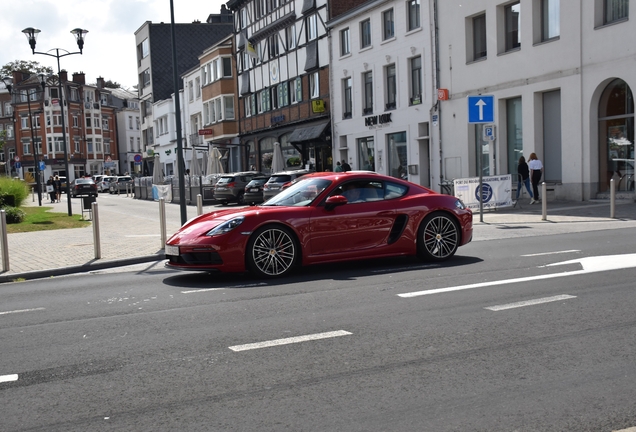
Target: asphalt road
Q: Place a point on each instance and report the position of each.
(509, 344)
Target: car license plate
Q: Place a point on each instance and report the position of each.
(254, 190)
(172, 250)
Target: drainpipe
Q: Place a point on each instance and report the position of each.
(437, 85)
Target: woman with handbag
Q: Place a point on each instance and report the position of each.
(50, 189)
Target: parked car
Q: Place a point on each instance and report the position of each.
(119, 184)
(83, 187)
(104, 184)
(97, 178)
(231, 187)
(275, 183)
(254, 190)
(325, 217)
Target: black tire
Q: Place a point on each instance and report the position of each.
(272, 251)
(438, 237)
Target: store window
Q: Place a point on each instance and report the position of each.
(514, 126)
(397, 155)
(366, 153)
(616, 137)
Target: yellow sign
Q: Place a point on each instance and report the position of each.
(318, 105)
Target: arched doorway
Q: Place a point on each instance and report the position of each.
(616, 136)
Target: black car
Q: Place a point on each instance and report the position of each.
(83, 187)
(254, 190)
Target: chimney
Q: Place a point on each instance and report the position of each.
(63, 76)
(101, 83)
(79, 78)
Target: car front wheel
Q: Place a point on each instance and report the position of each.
(438, 237)
(272, 251)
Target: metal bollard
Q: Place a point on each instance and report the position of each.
(5, 241)
(199, 205)
(96, 238)
(612, 199)
(162, 221)
(544, 201)
(32, 194)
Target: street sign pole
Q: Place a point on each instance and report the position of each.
(481, 109)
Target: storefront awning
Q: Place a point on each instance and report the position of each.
(308, 133)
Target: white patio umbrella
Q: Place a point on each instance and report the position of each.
(195, 168)
(157, 174)
(278, 160)
(214, 162)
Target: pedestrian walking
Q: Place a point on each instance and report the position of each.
(345, 166)
(523, 178)
(536, 172)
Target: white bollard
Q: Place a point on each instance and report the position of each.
(544, 202)
(96, 238)
(162, 221)
(199, 205)
(612, 199)
(5, 241)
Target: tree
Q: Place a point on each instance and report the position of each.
(31, 67)
(112, 84)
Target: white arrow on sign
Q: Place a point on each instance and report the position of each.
(481, 104)
(589, 264)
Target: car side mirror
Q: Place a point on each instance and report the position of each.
(335, 201)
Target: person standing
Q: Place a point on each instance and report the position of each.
(536, 171)
(345, 166)
(338, 167)
(50, 188)
(58, 187)
(523, 178)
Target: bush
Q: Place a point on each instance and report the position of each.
(14, 215)
(13, 192)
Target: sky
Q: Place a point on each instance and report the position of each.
(109, 49)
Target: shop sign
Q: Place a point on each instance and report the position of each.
(377, 119)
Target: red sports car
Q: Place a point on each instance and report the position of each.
(324, 217)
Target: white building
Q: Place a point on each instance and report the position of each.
(165, 130)
(191, 112)
(561, 74)
(128, 131)
(382, 87)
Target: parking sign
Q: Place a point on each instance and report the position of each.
(481, 109)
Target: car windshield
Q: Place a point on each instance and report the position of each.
(300, 194)
(84, 181)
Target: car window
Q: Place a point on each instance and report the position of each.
(225, 180)
(394, 190)
(283, 178)
(361, 191)
(299, 194)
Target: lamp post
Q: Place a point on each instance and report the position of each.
(8, 83)
(80, 34)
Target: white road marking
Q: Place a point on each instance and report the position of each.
(589, 264)
(551, 253)
(290, 340)
(200, 290)
(216, 289)
(8, 378)
(20, 311)
(530, 302)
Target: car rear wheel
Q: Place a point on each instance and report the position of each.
(272, 251)
(438, 237)
(240, 199)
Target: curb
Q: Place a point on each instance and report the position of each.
(84, 268)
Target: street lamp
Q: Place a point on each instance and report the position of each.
(8, 83)
(80, 34)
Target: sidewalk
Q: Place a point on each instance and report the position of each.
(130, 232)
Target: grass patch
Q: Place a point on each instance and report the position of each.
(41, 219)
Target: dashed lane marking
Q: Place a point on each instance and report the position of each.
(530, 302)
(8, 378)
(21, 311)
(291, 340)
(551, 253)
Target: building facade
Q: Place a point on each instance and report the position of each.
(562, 82)
(154, 64)
(383, 89)
(7, 136)
(88, 126)
(282, 56)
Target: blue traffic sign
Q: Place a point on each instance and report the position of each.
(42, 165)
(481, 109)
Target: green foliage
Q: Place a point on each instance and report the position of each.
(17, 189)
(293, 161)
(112, 84)
(3, 138)
(32, 67)
(14, 215)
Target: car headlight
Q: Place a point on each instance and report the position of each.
(226, 227)
(459, 204)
